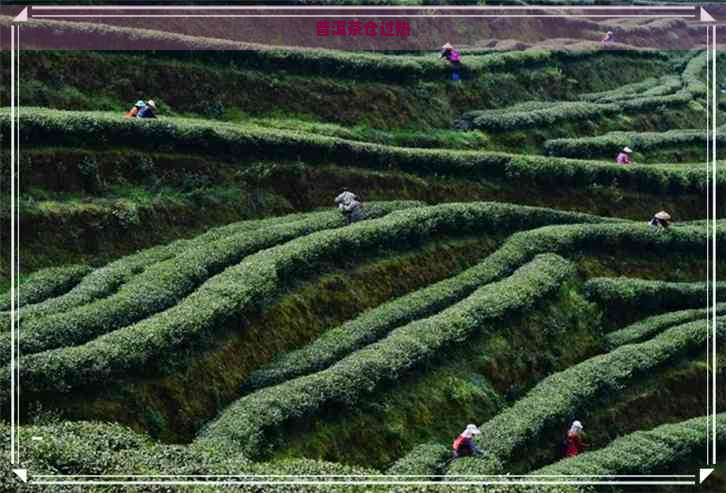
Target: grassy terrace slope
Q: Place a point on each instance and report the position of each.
(92, 310)
(325, 423)
(187, 277)
(276, 138)
(383, 91)
(101, 186)
(229, 140)
(407, 379)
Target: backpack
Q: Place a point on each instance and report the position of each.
(455, 56)
(457, 442)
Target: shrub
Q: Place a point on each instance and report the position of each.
(46, 283)
(375, 323)
(232, 140)
(541, 115)
(624, 294)
(252, 423)
(424, 460)
(609, 144)
(644, 452)
(562, 396)
(649, 327)
(106, 280)
(165, 283)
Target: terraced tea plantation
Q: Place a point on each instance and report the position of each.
(192, 302)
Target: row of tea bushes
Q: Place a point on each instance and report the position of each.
(645, 329)
(649, 87)
(44, 284)
(609, 144)
(628, 295)
(645, 452)
(106, 280)
(166, 283)
(525, 116)
(65, 128)
(561, 397)
(340, 341)
(193, 323)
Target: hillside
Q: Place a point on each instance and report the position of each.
(192, 302)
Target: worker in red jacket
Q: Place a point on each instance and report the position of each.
(464, 445)
(574, 440)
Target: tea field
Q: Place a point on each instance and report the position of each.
(191, 301)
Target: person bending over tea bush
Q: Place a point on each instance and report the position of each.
(624, 156)
(454, 58)
(349, 205)
(573, 441)
(464, 445)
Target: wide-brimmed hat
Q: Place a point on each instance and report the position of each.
(576, 426)
(471, 430)
(140, 104)
(627, 149)
(447, 46)
(151, 103)
(663, 215)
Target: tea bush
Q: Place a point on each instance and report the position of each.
(62, 128)
(375, 323)
(254, 422)
(638, 295)
(425, 459)
(544, 114)
(165, 283)
(46, 283)
(645, 329)
(644, 452)
(609, 144)
(561, 397)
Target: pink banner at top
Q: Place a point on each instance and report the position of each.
(360, 28)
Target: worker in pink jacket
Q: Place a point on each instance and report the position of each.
(624, 156)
